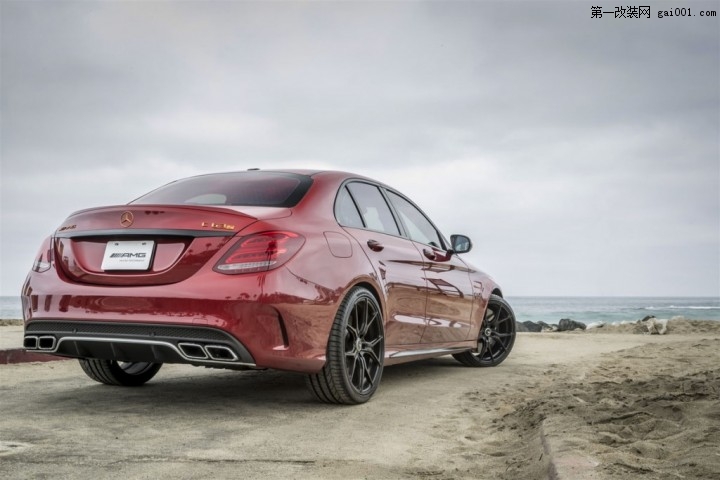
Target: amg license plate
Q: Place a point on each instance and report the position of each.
(128, 255)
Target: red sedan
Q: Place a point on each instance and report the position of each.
(325, 273)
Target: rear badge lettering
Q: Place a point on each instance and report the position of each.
(219, 226)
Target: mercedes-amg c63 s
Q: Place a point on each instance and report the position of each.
(325, 273)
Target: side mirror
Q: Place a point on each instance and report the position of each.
(460, 243)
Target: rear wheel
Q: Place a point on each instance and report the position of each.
(355, 352)
(126, 374)
(497, 336)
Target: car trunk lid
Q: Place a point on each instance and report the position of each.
(143, 244)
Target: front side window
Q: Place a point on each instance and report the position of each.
(418, 227)
(373, 208)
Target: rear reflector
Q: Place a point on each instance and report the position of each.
(44, 258)
(260, 252)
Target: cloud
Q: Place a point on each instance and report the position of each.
(582, 155)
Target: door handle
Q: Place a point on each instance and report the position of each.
(374, 245)
(429, 254)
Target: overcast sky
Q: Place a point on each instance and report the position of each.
(581, 155)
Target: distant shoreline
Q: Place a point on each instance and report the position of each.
(550, 310)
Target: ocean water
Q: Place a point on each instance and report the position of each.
(10, 308)
(613, 309)
(552, 309)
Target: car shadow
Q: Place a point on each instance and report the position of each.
(223, 391)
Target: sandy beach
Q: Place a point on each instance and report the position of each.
(600, 404)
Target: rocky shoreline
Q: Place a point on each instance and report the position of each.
(5, 322)
(648, 326)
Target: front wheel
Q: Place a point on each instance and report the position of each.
(126, 374)
(355, 352)
(497, 336)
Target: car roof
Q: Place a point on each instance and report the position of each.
(335, 174)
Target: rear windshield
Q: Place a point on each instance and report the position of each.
(257, 189)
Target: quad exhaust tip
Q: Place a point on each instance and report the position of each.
(30, 343)
(219, 352)
(195, 351)
(45, 342)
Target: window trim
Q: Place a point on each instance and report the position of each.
(396, 216)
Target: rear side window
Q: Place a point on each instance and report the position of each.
(345, 211)
(373, 208)
(257, 189)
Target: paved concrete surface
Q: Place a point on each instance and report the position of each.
(11, 337)
(429, 419)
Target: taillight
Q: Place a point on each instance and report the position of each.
(260, 252)
(44, 258)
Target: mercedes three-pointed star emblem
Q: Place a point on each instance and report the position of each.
(126, 219)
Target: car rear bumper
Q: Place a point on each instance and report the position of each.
(276, 320)
(137, 343)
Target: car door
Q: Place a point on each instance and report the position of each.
(449, 289)
(364, 213)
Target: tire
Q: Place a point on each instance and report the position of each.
(496, 338)
(125, 374)
(355, 352)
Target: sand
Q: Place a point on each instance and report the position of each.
(652, 410)
(599, 404)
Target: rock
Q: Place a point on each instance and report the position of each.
(520, 327)
(595, 325)
(530, 326)
(640, 327)
(567, 325)
(546, 327)
(652, 326)
(657, 326)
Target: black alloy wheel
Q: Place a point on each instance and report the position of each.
(497, 336)
(125, 374)
(355, 352)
